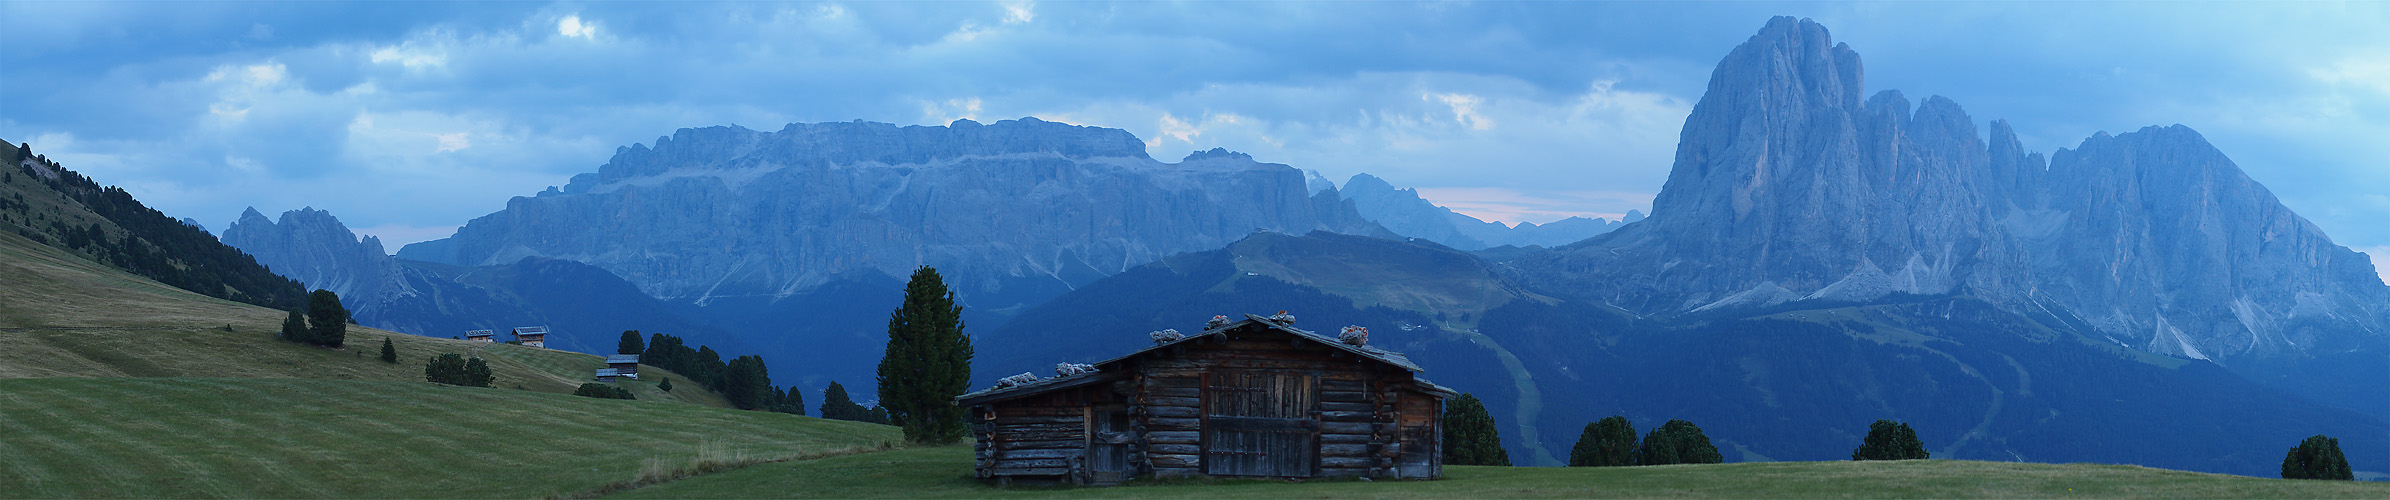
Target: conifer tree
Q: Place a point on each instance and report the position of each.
(1469, 434)
(747, 384)
(837, 406)
(1889, 440)
(630, 343)
(2318, 457)
(389, 351)
(666, 385)
(1608, 443)
(927, 362)
(1677, 442)
(330, 320)
(294, 328)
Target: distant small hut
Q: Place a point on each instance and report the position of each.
(626, 365)
(1251, 398)
(534, 336)
(481, 336)
(610, 375)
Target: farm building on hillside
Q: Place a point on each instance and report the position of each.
(480, 336)
(534, 336)
(619, 365)
(1254, 398)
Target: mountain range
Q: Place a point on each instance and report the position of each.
(1819, 257)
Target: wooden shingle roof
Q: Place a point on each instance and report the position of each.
(1105, 370)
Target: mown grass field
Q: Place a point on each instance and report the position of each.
(944, 472)
(62, 316)
(269, 438)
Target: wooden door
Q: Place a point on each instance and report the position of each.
(1259, 423)
(1108, 446)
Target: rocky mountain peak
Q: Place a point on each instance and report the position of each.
(315, 248)
(1787, 187)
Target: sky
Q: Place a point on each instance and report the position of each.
(407, 119)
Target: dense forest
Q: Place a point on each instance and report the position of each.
(133, 237)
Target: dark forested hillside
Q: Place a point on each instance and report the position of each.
(47, 203)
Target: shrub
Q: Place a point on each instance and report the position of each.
(1889, 440)
(602, 391)
(477, 373)
(445, 369)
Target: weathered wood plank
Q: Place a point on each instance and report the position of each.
(1043, 471)
(1032, 463)
(1174, 437)
(1346, 406)
(1188, 401)
(1167, 472)
(1344, 396)
(1172, 411)
(1175, 449)
(1346, 438)
(1347, 427)
(1362, 462)
(1334, 384)
(1173, 382)
(1073, 418)
(1174, 392)
(1160, 461)
(1349, 416)
(1009, 446)
(1344, 450)
(1044, 453)
(1174, 424)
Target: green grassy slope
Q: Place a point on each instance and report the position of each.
(64, 316)
(256, 438)
(945, 473)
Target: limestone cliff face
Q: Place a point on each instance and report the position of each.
(313, 247)
(1011, 212)
(1788, 186)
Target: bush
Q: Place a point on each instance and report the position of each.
(294, 328)
(389, 351)
(477, 373)
(2317, 458)
(602, 391)
(330, 320)
(666, 385)
(1608, 443)
(1889, 440)
(1677, 442)
(445, 369)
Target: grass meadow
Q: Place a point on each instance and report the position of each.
(945, 472)
(283, 438)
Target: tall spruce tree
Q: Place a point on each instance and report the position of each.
(389, 351)
(747, 384)
(1469, 434)
(294, 328)
(1889, 440)
(330, 320)
(630, 343)
(1677, 442)
(1608, 443)
(928, 362)
(2318, 457)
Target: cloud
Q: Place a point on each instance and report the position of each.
(572, 27)
(1512, 206)
(1020, 13)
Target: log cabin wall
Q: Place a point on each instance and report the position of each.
(1257, 402)
(1042, 438)
(1249, 400)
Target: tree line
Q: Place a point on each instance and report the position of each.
(153, 245)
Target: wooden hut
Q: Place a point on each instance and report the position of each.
(480, 336)
(1252, 398)
(624, 364)
(534, 336)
